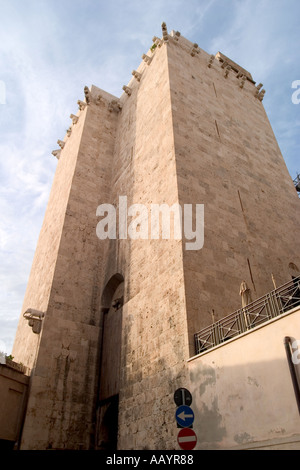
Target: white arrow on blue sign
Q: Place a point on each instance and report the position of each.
(184, 416)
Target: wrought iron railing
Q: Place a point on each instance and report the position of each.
(297, 184)
(265, 308)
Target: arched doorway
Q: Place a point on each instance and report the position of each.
(110, 356)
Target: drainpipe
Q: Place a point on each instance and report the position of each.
(287, 345)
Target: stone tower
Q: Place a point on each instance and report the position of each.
(117, 316)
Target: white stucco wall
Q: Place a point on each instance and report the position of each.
(243, 395)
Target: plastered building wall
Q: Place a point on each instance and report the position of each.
(243, 396)
(180, 133)
(13, 393)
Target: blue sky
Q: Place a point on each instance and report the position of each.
(51, 49)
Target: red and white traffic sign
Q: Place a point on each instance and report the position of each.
(187, 439)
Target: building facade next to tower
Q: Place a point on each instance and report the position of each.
(112, 310)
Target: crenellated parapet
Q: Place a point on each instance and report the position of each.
(115, 106)
(259, 94)
(219, 61)
(157, 42)
(242, 75)
(127, 90)
(242, 78)
(147, 59)
(176, 36)
(225, 61)
(87, 95)
(94, 96)
(56, 153)
(82, 104)
(74, 118)
(211, 60)
(229, 69)
(226, 71)
(137, 75)
(164, 32)
(194, 50)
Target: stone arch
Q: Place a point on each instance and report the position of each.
(109, 290)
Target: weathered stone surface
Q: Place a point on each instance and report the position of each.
(187, 135)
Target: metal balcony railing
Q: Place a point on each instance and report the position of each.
(265, 308)
(296, 182)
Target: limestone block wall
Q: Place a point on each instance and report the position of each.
(64, 381)
(228, 159)
(44, 262)
(185, 130)
(154, 342)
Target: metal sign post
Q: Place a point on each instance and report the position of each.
(184, 416)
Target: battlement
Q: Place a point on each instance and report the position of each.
(235, 67)
(219, 62)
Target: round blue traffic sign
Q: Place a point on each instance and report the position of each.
(184, 416)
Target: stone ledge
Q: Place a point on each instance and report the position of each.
(16, 366)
